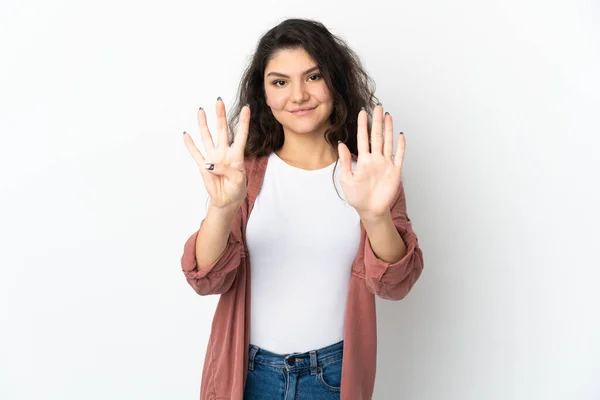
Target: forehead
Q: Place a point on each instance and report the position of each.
(290, 61)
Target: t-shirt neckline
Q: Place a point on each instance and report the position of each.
(302, 170)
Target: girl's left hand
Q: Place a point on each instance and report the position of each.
(374, 183)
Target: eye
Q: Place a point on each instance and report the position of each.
(275, 83)
(318, 76)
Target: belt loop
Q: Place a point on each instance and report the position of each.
(313, 362)
(253, 351)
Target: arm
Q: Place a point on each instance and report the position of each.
(385, 240)
(392, 258)
(213, 253)
(213, 236)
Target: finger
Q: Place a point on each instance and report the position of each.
(399, 157)
(193, 150)
(345, 159)
(222, 139)
(377, 130)
(239, 142)
(362, 137)
(388, 136)
(207, 140)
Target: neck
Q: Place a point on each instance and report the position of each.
(308, 151)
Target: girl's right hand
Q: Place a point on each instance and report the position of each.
(222, 170)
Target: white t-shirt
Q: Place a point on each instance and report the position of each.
(302, 239)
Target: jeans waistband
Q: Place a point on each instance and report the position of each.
(295, 361)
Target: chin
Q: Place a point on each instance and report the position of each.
(306, 125)
(304, 128)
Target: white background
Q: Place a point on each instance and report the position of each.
(499, 101)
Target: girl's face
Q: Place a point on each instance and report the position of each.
(296, 92)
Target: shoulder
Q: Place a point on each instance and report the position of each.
(250, 163)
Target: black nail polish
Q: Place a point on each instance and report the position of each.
(184, 132)
(247, 105)
(387, 113)
(378, 103)
(402, 133)
(219, 98)
(210, 166)
(200, 109)
(362, 108)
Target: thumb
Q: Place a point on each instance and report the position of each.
(215, 168)
(233, 175)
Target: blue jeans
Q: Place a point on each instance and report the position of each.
(314, 375)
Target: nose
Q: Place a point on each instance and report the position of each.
(299, 93)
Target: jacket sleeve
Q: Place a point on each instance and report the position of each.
(394, 281)
(220, 277)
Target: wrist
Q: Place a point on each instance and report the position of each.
(373, 218)
(229, 210)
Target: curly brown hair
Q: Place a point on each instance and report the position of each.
(350, 86)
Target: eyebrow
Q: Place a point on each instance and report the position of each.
(285, 76)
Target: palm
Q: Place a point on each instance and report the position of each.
(373, 184)
(226, 183)
(225, 189)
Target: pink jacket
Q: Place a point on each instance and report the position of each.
(226, 360)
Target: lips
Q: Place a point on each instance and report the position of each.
(303, 110)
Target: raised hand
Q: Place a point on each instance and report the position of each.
(222, 170)
(373, 184)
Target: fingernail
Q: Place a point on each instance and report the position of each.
(184, 132)
(247, 105)
(378, 103)
(219, 98)
(200, 109)
(402, 133)
(209, 166)
(362, 108)
(387, 113)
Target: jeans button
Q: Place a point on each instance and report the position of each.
(290, 361)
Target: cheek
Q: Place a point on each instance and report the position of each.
(275, 100)
(322, 93)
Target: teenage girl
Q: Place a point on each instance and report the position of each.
(309, 192)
